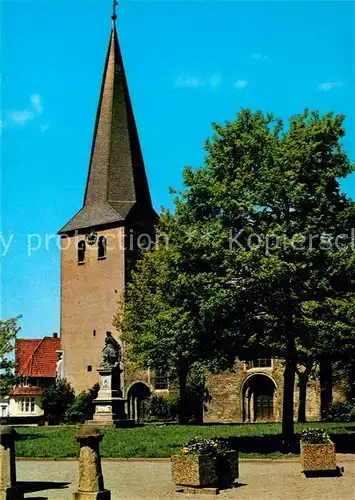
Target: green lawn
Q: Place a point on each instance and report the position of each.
(154, 441)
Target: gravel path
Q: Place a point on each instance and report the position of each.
(152, 481)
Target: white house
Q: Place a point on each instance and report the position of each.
(36, 367)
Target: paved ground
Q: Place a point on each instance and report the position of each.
(152, 481)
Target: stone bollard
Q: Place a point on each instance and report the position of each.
(91, 481)
(8, 488)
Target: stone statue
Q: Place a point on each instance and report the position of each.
(111, 351)
(59, 368)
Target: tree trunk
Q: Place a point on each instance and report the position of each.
(303, 380)
(183, 406)
(326, 384)
(287, 411)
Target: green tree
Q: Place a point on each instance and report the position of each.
(169, 311)
(82, 407)
(161, 334)
(260, 255)
(8, 333)
(57, 400)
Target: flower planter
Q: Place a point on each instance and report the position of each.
(227, 469)
(194, 470)
(318, 457)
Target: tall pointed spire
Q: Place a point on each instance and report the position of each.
(117, 187)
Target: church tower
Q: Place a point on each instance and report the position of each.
(96, 243)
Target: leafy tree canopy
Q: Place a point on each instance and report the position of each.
(57, 400)
(258, 254)
(8, 333)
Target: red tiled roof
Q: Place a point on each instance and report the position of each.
(26, 391)
(37, 357)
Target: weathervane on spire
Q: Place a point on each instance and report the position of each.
(114, 15)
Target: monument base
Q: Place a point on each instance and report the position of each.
(123, 422)
(109, 404)
(90, 495)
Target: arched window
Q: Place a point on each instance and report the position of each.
(101, 250)
(81, 252)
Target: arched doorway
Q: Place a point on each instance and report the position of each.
(137, 399)
(258, 398)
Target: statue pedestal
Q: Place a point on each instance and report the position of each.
(109, 404)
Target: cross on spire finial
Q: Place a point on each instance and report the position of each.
(114, 15)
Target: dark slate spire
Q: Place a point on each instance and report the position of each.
(117, 187)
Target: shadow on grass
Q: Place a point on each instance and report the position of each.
(350, 428)
(235, 424)
(34, 486)
(269, 443)
(272, 443)
(27, 436)
(344, 443)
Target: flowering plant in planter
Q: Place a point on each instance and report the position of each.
(315, 436)
(205, 462)
(205, 446)
(317, 451)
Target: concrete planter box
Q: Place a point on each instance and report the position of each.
(227, 469)
(318, 457)
(194, 470)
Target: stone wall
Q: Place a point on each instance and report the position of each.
(224, 393)
(133, 374)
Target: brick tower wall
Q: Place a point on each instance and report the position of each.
(89, 294)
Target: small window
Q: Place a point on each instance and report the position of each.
(28, 405)
(161, 380)
(260, 363)
(101, 249)
(89, 368)
(94, 333)
(81, 252)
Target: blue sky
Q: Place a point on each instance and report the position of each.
(188, 64)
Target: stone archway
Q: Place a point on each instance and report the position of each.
(258, 395)
(137, 398)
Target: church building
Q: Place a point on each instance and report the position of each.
(96, 259)
(96, 252)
